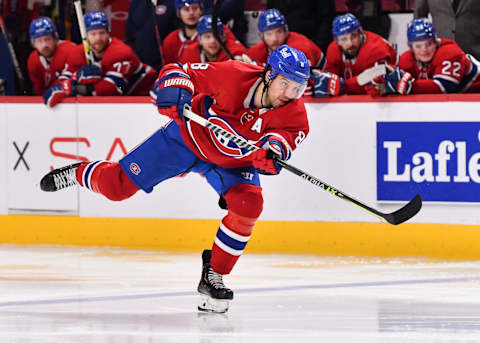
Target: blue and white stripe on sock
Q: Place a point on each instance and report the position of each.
(87, 173)
(229, 241)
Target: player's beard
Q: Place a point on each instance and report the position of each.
(47, 52)
(351, 53)
(99, 47)
(191, 27)
(279, 101)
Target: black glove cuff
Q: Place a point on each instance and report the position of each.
(85, 90)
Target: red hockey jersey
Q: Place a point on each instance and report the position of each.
(259, 52)
(193, 53)
(227, 101)
(375, 50)
(174, 45)
(45, 74)
(176, 42)
(122, 71)
(449, 71)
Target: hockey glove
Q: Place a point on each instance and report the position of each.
(264, 162)
(264, 159)
(376, 87)
(398, 82)
(55, 94)
(172, 93)
(88, 74)
(325, 84)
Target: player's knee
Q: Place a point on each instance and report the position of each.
(245, 200)
(115, 184)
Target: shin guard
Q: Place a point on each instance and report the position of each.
(245, 204)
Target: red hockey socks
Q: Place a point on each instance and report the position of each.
(106, 178)
(245, 203)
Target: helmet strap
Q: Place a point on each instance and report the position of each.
(266, 85)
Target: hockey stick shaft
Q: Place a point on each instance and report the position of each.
(153, 5)
(216, 11)
(13, 55)
(395, 218)
(83, 31)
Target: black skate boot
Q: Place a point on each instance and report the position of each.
(214, 296)
(60, 178)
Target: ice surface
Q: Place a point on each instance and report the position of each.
(71, 294)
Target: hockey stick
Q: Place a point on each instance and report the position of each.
(16, 65)
(216, 10)
(394, 218)
(153, 5)
(83, 31)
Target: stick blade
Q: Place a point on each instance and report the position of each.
(406, 212)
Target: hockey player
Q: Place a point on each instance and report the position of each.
(47, 61)
(116, 69)
(189, 13)
(438, 65)
(353, 51)
(274, 32)
(208, 49)
(261, 104)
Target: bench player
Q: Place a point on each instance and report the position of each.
(438, 65)
(274, 32)
(207, 48)
(116, 70)
(353, 51)
(46, 62)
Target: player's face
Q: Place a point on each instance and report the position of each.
(283, 90)
(424, 50)
(98, 39)
(190, 14)
(209, 44)
(350, 42)
(275, 37)
(45, 45)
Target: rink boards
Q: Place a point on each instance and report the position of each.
(373, 151)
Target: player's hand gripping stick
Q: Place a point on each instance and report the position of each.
(173, 92)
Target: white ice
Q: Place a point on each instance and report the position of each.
(71, 294)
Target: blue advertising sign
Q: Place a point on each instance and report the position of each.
(438, 160)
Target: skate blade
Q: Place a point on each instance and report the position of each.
(208, 304)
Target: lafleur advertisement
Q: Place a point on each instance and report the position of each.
(438, 160)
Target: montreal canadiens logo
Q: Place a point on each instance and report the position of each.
(134, 168)
(226, 146)
(246, 117)
(160, 10)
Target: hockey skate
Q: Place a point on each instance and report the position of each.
(60, 178)
(214, 296)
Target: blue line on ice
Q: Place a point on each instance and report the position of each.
(245, 290)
